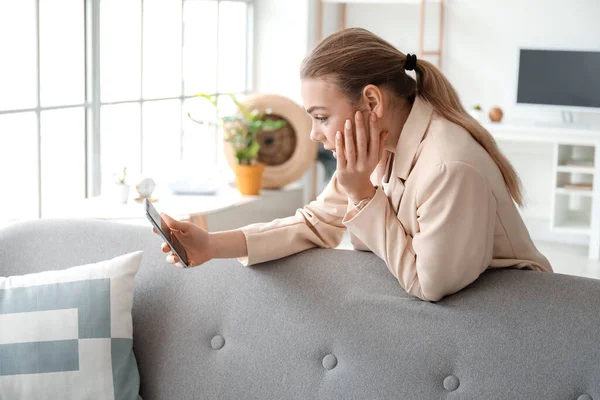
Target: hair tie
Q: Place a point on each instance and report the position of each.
(410, 63)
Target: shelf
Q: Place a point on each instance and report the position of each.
(573, 213)
(382, 1)
(574, 192)
(575, 170)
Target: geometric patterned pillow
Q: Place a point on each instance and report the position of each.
(68, 334)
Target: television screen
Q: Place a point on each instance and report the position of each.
(559, 78)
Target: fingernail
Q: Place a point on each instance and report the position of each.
(359, 115)
(348, 124)
(373, 117)
(338, 135)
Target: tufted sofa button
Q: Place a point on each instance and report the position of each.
(584, 397)
(451, 383)
(329, 361)
(217, 342)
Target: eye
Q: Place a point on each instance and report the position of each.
(321, 119)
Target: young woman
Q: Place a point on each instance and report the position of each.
(418, 181)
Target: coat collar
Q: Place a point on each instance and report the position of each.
(411, 136)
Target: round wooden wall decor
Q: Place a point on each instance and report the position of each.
(287, 152)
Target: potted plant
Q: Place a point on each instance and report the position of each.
(241, 131)
(122, 188)
(477, 113)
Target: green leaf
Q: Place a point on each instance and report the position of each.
(243, 129)
(253, 149)
(210, 97)
(270, 125)
(207, 123)
(252, 132)
(240, 106)
(244, 161)
(233, 118)
(244, 157)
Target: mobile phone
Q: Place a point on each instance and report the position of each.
(164, 231)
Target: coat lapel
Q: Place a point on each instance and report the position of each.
(410, 138)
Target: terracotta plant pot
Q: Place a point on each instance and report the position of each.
(248, 178)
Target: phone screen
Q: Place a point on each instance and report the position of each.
(166, 231)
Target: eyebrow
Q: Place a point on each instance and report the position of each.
(313, 108)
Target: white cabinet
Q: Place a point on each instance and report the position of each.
(574, 206)
(573, 186)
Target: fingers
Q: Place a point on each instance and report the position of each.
(165, 248)
(361, 138)
(154, 230)
(374, 140)
(172, 259)
(349, 144)
(339, 151)
(174, 224)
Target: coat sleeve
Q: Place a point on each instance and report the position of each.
(318, 224)
(454, 242)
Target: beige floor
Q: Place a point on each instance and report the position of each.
(565, 259)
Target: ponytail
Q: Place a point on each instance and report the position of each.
(434, 88)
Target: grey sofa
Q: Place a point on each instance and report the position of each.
(332, 324)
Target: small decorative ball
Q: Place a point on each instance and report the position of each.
(496, 114)
(145, 187)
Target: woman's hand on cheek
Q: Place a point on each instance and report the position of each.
(357, 159)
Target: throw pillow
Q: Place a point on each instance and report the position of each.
(68, 334)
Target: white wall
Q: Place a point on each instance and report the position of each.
(281, 32)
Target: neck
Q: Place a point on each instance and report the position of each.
(395, 124)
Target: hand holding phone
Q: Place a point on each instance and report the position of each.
(165, 232)
(190, 244)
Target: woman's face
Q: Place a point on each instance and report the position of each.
(328, 109)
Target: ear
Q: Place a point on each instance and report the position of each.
(373, 99)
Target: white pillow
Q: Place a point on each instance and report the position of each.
(68, 334)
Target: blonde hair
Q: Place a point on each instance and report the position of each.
(353, 58)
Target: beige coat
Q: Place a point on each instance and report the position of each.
(441, 215)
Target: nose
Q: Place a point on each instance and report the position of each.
(315, 136)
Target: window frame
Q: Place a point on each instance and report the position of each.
(93, 104)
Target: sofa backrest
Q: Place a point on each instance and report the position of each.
(332, 324)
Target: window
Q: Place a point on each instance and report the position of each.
(94, 86)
